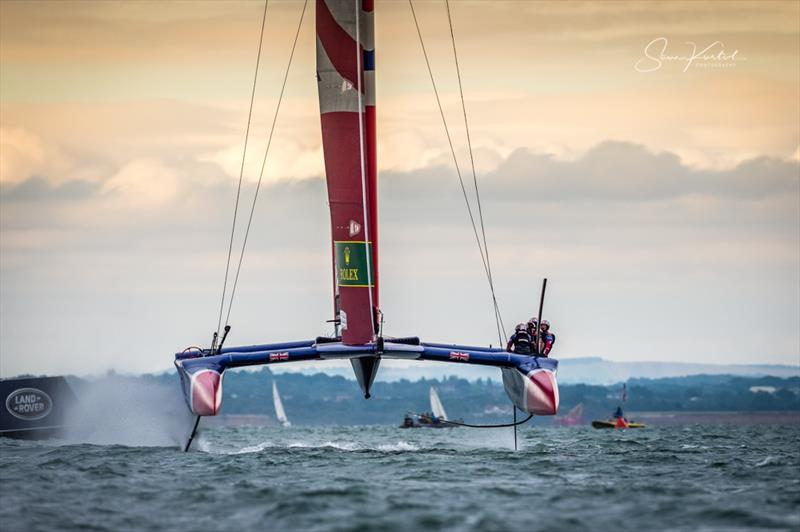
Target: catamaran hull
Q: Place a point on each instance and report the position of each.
(202, 388)
(529, 381)
(535, 391)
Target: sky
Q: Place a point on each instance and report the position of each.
(659, 195)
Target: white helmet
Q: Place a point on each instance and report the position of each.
(546, 323)
(520, 327)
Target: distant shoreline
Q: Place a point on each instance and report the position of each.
(790, 417)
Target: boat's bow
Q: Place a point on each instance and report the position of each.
(202, 384)
(532, 386)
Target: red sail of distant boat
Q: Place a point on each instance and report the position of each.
(573, 418)
(346, 83)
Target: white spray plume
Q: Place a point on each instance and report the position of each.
(117, 410)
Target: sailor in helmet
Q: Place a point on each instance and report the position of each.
(520, 341)
(533, 326)
(546, 338)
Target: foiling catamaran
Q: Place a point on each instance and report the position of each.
(346, 85)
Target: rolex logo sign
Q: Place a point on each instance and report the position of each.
(351, 263)
(29, 404)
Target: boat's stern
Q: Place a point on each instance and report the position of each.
(532, 385)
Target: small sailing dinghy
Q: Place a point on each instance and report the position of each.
(346, 84)
(280, 413)
(435, 419)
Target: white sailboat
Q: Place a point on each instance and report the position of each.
(436, 405)
(435, 419)
(280, 413)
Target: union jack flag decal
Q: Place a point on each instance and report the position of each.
(276, 357)
(455, 355)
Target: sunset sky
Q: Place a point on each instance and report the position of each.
(660, 197)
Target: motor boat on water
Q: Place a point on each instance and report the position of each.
(435, 419)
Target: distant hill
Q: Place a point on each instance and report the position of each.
(588, 370)
(595, 370)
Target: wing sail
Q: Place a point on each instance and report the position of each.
(346, 85)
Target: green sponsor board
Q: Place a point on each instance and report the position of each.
(351, 263)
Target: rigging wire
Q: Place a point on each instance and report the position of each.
(474, 174)
(241, 169)
(264, 162)
(362, 161)
(458, 172)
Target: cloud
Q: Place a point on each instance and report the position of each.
(22, 154)
(116, 82)
(39, 189)
(143, 183)
(637, 246)
(624, 171)
(122, 127)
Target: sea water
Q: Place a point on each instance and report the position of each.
(386, 478)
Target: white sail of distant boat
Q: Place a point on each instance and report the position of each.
(280, 413)
(436, 405)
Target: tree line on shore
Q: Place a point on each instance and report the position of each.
(322, 399)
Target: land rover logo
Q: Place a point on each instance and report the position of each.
(29, 404)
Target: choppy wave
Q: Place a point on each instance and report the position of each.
(770, 460)
(208, 446)
(380, 478)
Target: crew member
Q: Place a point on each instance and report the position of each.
(520, 341)
(546, 338)
(533, 326)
